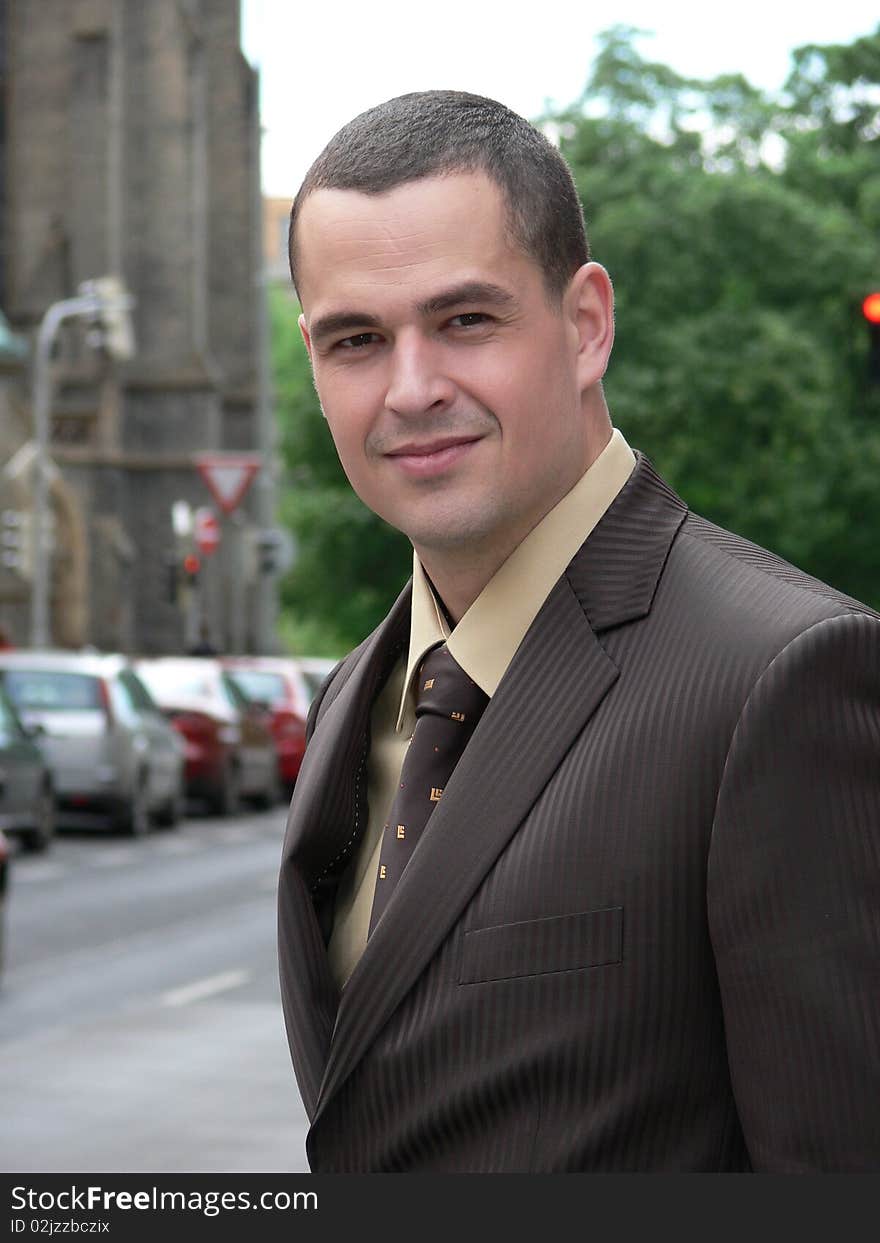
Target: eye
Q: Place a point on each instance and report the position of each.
(357, 342)
(469, 319)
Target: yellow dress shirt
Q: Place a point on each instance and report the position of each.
(483, 643)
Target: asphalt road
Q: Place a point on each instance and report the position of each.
(140, 1020)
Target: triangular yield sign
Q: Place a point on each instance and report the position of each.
(228, 476)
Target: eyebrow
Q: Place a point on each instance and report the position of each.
(482, 292)
(470, 291)
(339, 321)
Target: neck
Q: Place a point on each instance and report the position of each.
(458, 579)
(459, 574)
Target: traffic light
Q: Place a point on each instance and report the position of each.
(871, 312)
(112, 328)
(16, 542)
(191, 566)
(267, 550)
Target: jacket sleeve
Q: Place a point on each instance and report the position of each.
(794, 903)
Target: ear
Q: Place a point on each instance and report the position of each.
(308, 343)
(589, 304)
(305, 336)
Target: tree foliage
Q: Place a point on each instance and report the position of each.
(741, 231)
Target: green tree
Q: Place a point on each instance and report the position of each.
(741, 233)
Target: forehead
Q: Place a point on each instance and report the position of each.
(408, 238)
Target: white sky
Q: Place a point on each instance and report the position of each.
(321, 64)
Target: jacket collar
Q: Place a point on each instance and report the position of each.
(616, 571)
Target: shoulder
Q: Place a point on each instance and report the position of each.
(747, 592)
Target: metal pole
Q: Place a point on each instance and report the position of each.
(42, 389)
(265, 612)
(42, 399)
(95, 300)
(237, 600)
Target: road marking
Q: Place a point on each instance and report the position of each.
(177, 848)
(204, 988)
(37, 872)
(234, 835)
(114, 858)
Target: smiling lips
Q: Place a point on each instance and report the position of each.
(423, 461)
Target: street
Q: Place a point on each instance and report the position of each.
(140, 1020)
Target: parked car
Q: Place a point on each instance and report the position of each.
(4, 885)
(115, 761)
(278, 684)
(27, 803)
(228, 745)
(315, 670)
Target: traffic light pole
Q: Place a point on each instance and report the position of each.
(99, 301)
(42, 400)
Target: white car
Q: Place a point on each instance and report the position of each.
(115, 761)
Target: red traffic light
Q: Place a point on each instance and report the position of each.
(871, 308)
(191, 564)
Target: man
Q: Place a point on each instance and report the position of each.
(639, 928)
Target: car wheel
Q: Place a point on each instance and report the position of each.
(173, 809)
(134, 819)
(38, 839)
(227, 799)
(270, 795)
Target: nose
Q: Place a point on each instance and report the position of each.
(417, 380)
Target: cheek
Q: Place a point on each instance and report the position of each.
(349, 444)
(518, 397)
(346, 412)
(538, 410)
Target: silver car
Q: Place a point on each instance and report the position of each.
(115, 761)
(27, 804)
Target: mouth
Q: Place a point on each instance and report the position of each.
(434, 457)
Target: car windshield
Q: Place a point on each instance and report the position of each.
(176, 681)
(9, 724)
(49, 691)
(259, 685)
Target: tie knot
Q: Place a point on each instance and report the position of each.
(444, 689)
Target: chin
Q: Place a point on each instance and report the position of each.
(448, 533)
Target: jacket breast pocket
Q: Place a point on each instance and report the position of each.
(537, 946)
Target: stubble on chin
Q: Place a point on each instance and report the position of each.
(451, 531)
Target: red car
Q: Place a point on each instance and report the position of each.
(278, 684)
(229, 749)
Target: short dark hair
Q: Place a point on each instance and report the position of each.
(432, 133)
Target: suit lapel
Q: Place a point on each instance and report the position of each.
(325, 808)
(326, 818)
(556, 681)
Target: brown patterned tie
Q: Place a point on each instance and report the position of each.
(448, 706)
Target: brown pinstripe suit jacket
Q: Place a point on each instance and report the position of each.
(642, 931)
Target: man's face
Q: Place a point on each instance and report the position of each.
(451, 386)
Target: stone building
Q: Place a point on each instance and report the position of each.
(130, 146)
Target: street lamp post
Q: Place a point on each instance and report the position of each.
(105, 300)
